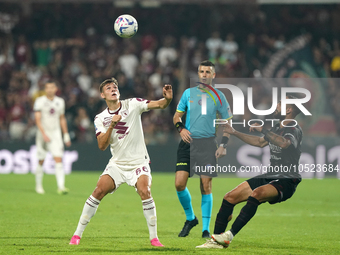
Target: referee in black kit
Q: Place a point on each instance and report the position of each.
(275, 186)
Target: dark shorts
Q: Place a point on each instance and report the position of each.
(196, 157)
(285, 186)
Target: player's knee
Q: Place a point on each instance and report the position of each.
(144, 193)
(205, 190)
(99, 193)
(230, 217)
(258, 194)
(180, 186)
(231, 198)
(206, 187)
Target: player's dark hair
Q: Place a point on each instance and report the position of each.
(51, 81)
(107, 81)
(207, 63)
(296, 110)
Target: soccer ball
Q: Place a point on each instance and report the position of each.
(126, 26)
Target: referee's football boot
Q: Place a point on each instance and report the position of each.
(188, 225)
(206, 234)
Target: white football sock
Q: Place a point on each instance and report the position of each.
(149, 209)
(60, 175)
(39, 173)
(89, 210)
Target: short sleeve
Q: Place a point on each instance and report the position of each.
(37, 105)
(224, 109)
(98, 125)
(183, 102)
(141, 104)
(292, 134)
(62, 108)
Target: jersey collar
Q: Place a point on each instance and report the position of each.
(116, 112)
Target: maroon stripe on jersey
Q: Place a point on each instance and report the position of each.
(98, 133)
(148, 101)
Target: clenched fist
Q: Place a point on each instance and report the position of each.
(115, 120)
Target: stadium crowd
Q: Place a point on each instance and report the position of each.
(76, 46)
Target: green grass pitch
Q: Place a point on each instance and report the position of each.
(308, 223)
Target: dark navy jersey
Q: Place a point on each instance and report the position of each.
(289, 157)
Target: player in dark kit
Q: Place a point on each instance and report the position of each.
(275, 186)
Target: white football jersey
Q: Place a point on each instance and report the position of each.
(51, 110)
(127, 139)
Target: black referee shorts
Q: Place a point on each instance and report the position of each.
(285, 186)
(196, 157)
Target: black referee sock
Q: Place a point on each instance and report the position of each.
(221, 221)
(247, 212)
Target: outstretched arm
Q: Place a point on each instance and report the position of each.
(276, 139)
(249, 139)
(164, 102)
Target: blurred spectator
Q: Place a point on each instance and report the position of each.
(214, 44)
(128, 63)
(84, 80)
(83, 124)
(43, 53)
(251, 53)
(22, 53)
(79, 55)
(229, 49)
(155, 80)
(167, 54)
(16, 117)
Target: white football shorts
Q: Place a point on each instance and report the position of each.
(55, 146)
(128, 174)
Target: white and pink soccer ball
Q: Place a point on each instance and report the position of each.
(126, 26)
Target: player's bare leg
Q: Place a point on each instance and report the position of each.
(206, 204)
(230, 199)
(39, 174)
(60, 176)
(259, 195)
(181, 179)
(143, 186)
(104, 186)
